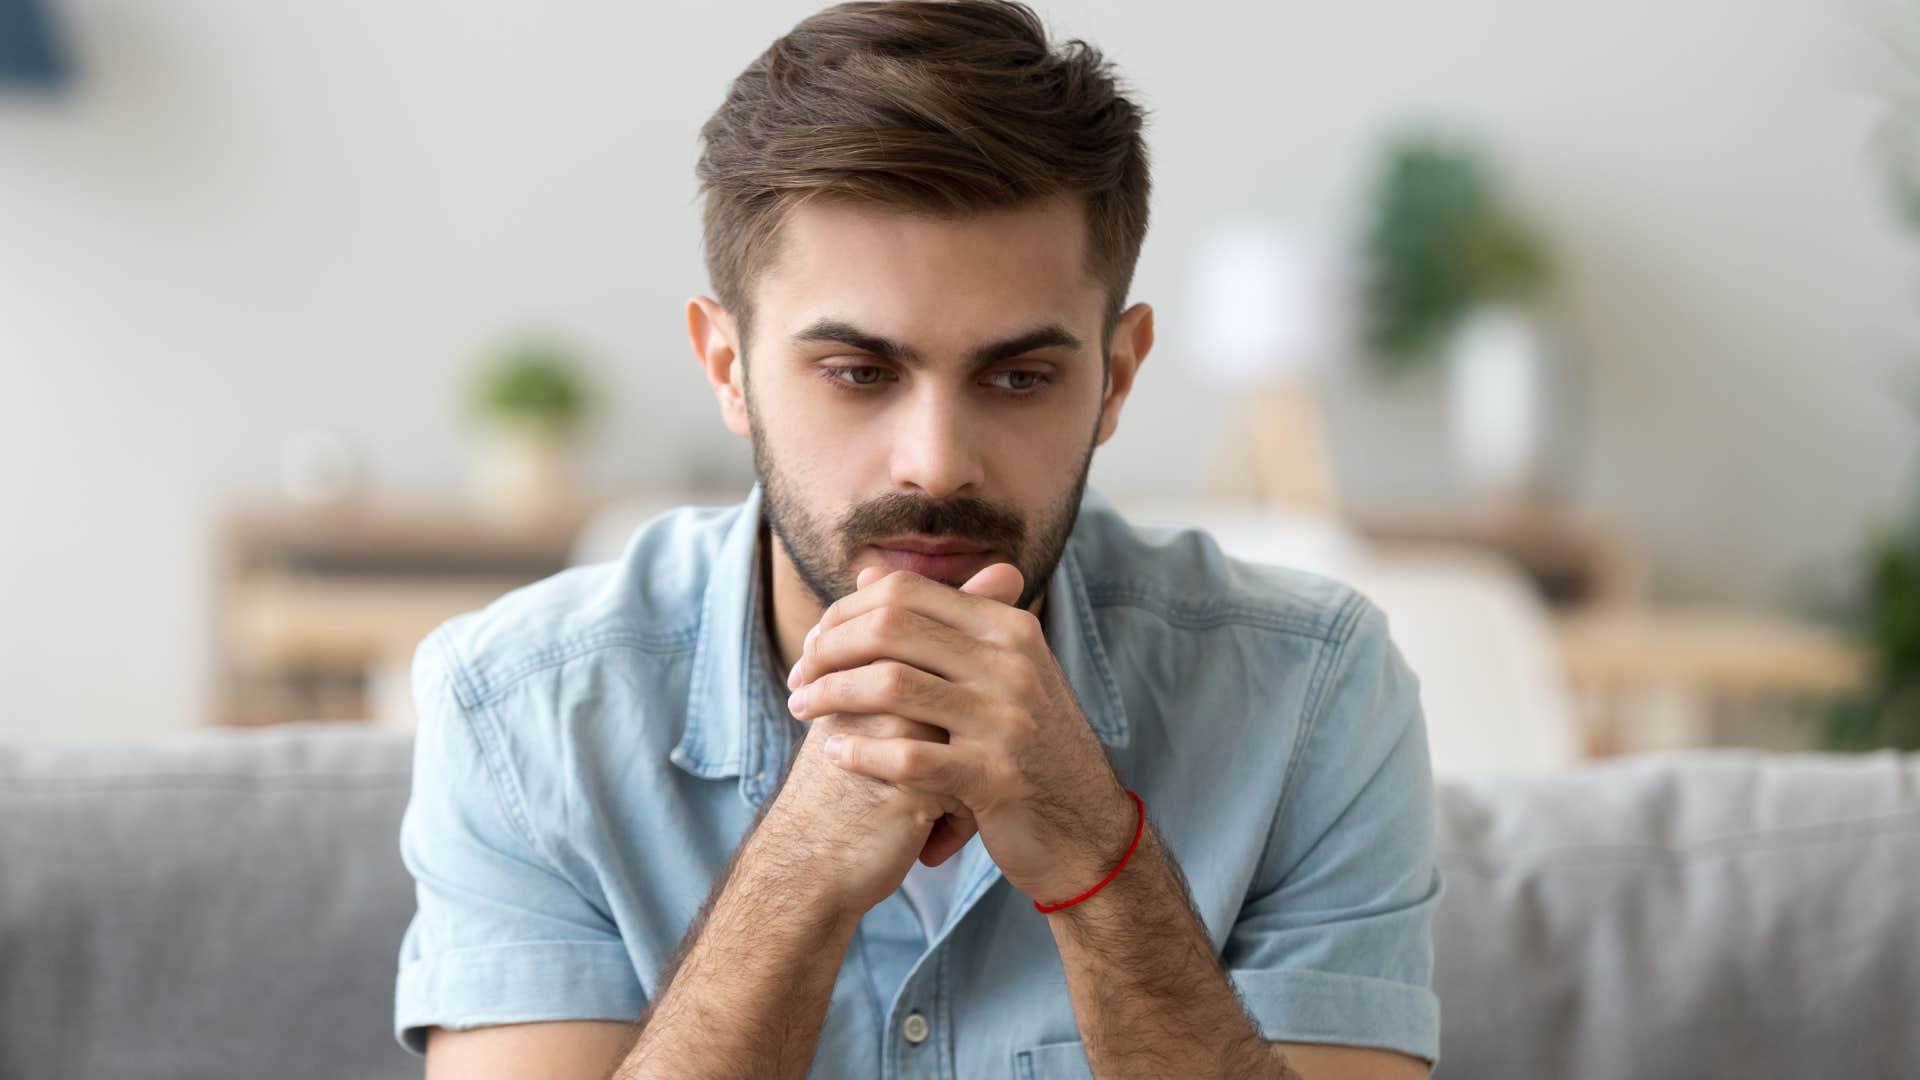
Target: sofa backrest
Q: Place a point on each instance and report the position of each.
(220, 904)
(1700, 914)
(230, 904)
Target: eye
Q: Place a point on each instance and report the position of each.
(1024, 382)
(833, 375)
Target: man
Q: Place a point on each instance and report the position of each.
(920, 762)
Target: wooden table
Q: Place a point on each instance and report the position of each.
(1653, 678)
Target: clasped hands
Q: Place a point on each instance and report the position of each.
(1020, 757)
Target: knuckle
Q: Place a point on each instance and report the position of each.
(913, 758)
(823, 692)
(896, 679)
(1008, 668)
(1017, 722)
(890, 622)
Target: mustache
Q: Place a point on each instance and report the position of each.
(972, 520)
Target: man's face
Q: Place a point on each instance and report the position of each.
(918, 381)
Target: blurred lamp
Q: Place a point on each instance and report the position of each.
(1264, 318)
(28, 53)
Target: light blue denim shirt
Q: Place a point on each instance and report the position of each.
(592, 748)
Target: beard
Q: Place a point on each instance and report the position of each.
(822, 551)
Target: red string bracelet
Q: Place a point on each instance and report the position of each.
(1137, 830)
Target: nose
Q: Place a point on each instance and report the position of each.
(934, 448)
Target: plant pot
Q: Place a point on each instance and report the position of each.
(1505, 388)
(524, 472)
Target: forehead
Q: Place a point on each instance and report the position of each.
(930, 280)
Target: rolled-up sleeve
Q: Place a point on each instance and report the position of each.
(498, 935)
(1335, 942)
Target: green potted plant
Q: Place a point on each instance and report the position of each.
(1451, 276)
(531, 403)
(1438, 244)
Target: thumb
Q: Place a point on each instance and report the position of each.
(1001, 581)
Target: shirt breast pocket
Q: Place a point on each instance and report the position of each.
(1053, 1061)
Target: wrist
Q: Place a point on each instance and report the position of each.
(787, 883)
(1121, 905)
(1117, 834)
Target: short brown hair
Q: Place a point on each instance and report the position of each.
(941, 106)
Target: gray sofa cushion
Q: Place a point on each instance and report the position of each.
(1703, 914)
(230, 904)
(225, 904)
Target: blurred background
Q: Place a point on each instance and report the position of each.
(1582, 336)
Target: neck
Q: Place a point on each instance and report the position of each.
(792, 609)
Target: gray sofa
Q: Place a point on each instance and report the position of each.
(228, 904)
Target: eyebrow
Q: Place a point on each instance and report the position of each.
(846, 333)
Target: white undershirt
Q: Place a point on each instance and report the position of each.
(930, 890)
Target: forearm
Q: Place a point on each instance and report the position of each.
(749, 991)
(1150, 996)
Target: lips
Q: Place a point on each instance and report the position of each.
(944, 566)
(924, 545)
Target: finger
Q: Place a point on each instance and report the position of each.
(880, 725)
(943, 769)
(949, 835)
(797, 673)
(888, 686)
(984, 617)
(1001, 581)
(885, 633)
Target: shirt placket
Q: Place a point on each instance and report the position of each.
(918, 1044)
(919, 1040)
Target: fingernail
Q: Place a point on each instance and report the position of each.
(798, 702)
(811, 634)
(793, 677)
(833, 747)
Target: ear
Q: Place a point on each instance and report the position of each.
(715, 344)
(1132, 340)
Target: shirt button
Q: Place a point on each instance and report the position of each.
(914, 1027)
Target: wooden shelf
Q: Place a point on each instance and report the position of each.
(313, 603)
(279, 620)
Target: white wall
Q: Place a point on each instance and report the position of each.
(251, 217)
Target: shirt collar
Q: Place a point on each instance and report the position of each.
(737, 722)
